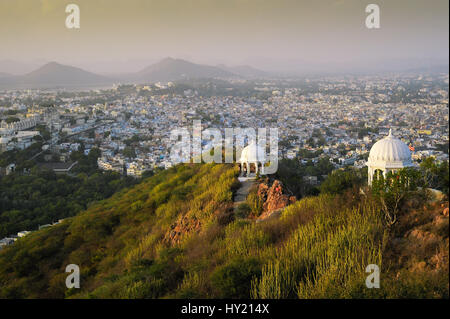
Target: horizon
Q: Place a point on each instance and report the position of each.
(419, 68)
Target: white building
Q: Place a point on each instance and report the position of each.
(253, 158)
(388, 154)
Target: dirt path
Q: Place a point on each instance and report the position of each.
(242, 192)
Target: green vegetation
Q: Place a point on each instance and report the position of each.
(121, 244)
(341, 180)
(40, 196)
(292, 171)
(20, 157)
(435, 175)
(254, 202)
(243, 210)
(393, 189)
(175, 236)
(43, 197)
(325, 257)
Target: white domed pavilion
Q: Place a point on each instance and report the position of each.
(388, 155)
(252, 158)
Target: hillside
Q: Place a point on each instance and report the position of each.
(175, 236)
(170, 69)
(58, 75)
(244, 71)
(54, 75)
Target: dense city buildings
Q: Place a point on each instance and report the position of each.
(127, 128)
(337, 117)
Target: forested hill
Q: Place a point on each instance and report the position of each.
(175, 235)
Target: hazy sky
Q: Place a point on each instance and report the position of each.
(116, 36)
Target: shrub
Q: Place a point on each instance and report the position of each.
(255, 203)
(233, 280)
(243, 210)
(339, 181)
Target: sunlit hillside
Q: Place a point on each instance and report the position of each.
(175, 236)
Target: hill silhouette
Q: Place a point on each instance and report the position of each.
(245, 71)
(54, 74)
(170, 69)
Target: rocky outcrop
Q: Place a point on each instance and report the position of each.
(182, 226)
(274, 198)
(189, 224)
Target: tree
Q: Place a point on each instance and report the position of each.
(434, 174)
(340, 180)
(324, 166)
(392, 190)
(94, 154)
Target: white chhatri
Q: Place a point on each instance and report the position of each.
(386, 155)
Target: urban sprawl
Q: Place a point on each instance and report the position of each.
(338, 118)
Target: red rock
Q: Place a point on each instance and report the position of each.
(273, 197)
(182, 226)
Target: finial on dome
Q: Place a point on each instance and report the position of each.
(390, 132)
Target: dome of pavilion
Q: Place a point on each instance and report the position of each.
(390, 151)
(388, 155)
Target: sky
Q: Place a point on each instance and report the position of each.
(275, 35)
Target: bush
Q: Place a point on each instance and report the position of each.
(255, 203)
(243, 210)
(233, 280)
(339, 181)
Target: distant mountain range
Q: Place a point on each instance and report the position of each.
(53, 75)
(245, 71)
(56, 74)
(176, 69)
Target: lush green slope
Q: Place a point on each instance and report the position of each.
(117, 236)
(174, 235)
(44, 197)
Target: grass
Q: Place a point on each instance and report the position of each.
(318, 248)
